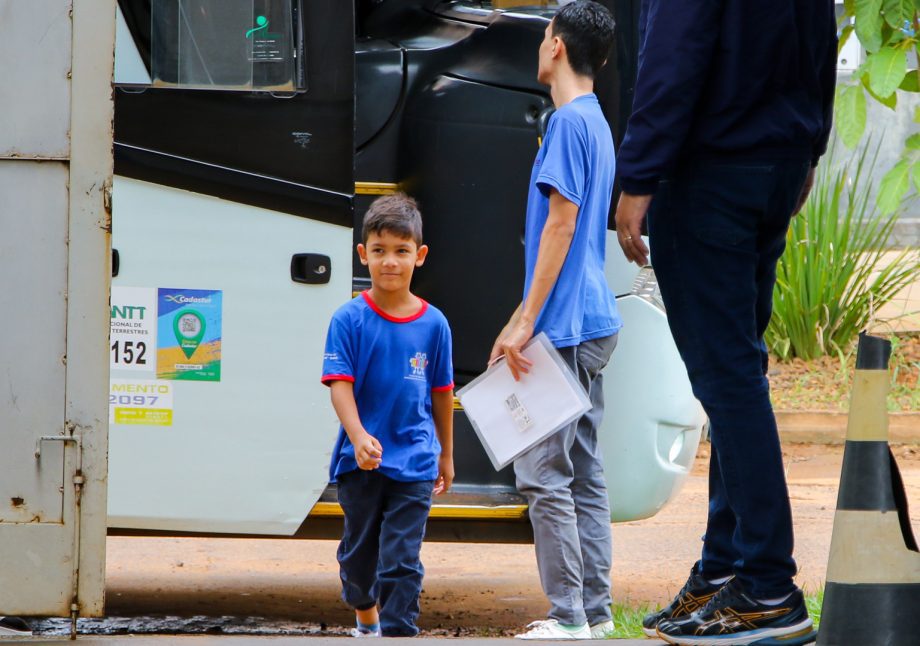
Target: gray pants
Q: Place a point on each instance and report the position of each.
(563, 480)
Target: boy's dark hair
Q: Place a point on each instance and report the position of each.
(398, 214)
(587, 29)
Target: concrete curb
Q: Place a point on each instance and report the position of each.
(825, 427)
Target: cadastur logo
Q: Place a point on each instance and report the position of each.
(183, 299)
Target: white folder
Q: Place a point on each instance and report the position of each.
(512, 416)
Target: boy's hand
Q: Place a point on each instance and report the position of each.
(368, 452)
(445, 475)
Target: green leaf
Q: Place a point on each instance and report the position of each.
(886, 68)
(869, 24)
(911, 82)
(892, 188)
(915, 175)
(913, 142)
(850, 114)
(890, 101)
(897, 11)
(849, 7)
(917, 114)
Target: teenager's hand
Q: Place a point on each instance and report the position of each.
(631, 210)
(512, 345)
(368, 452)
(445, 475)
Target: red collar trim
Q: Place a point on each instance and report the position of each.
(370, 302)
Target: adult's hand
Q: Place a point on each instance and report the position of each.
(513, 344)
(631, 210)
(806, 190)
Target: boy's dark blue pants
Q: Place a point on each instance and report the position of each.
(379, 553)
(716, 232)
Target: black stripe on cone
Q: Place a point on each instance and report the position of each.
(870, 615)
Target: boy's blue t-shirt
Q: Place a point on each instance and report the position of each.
(576, 159)
(394, 364)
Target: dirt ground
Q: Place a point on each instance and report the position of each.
(480, 586)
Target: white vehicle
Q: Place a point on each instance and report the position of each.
(250, 137)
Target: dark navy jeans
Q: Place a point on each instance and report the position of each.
(716, 232)
(379, 552)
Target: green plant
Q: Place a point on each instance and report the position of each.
(888, 30)
(814, 602)
(833, 274)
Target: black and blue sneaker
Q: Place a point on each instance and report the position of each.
(733, 617)
(695, 594)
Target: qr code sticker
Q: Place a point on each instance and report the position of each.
(521, 417)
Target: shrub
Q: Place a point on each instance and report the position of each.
(832, 277)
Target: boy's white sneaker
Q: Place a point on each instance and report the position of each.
(552, 629)
(603, 630)
(360, 634)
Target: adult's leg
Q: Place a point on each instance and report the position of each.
(360, 494)
(544, 476)
(668, 259)
(717, 238)
(405, 511)
(589, 487)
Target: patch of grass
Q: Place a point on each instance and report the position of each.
(814, 602)
(628, 621)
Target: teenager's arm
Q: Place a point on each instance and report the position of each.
(554, 247)
(442, 409)
(368, 451)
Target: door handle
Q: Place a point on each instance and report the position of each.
(311, 268)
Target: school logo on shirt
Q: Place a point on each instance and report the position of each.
(418, 363)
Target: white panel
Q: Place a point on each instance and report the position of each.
(35, 53)
(33, 258)
(248, 453)
(620, 272)
(652, 422)
(129, 67)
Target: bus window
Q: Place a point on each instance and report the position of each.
(225, 45)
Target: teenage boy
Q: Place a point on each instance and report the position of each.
(732, 110)
(566, 296)
(388, 365)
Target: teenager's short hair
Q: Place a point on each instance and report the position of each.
(587, 29)
(398, 214)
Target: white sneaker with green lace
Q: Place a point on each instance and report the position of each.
(552, 629)
(603, 630)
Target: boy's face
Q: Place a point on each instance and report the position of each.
(391, 260)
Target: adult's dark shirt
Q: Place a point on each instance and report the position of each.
(729, 79)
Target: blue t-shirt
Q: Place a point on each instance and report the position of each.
(394, 364)
(576, 159)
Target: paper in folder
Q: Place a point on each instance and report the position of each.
(511, 416)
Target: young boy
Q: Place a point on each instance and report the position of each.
(388, 365)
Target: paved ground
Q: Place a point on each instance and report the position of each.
(207, 640)
(489, 589)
